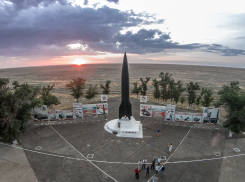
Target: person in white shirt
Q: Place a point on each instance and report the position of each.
(170, 148)
(159, 160)
(157, 168)
(155, 178)
(140, 165)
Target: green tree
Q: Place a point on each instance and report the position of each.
(4, 82)
(191, 89)
(31, 92)
(36, 90)
(23, 95)
(106, 87)
(47, 98)
(182, 100)
(232, 98)
(207, 98)
(156, 92)
(35, 100)
(198, 100)
(164, 79)
(91, 92)
(177, 91)
(76, 86)
(15, 110)
(171, 87)
(144, 85)
(136, 89)
(16, 84)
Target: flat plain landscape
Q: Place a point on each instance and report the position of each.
(202, 152)
(206, 76)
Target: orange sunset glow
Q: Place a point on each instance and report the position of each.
(79, 61)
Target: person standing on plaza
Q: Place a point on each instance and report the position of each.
(153, 164)
(155, 158)
(154, 144)
(147, 172)
(157, 168)
(159, 161)
(163, 170)
(137, 172)
(144, 161)
(158, 133)
(140, 165)
(170, 148)
(155, 178)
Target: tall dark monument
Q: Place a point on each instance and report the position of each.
(125, 107)
(125, 125)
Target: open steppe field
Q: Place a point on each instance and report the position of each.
(210, 77)
(81, 150)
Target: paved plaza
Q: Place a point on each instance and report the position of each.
(82, 150)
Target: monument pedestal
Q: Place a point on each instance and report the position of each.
(125, 127)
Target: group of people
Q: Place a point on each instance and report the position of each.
(154, 166)
(141, 166)
(156, 162)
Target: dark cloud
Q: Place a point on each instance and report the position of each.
(142, 42)
(238, 38)
(25, 4)
(62, 25)
(113, 1)
(217, 45)
(85, 2)
(232, 52)
(95, 5)
(224, 51)
(48, 31)
(55, 25)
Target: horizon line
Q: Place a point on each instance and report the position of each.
(129, 64)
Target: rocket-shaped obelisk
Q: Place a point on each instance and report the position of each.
(125, 107)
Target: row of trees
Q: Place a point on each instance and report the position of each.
(16, 105)
(77, 86)
(166, 88)
(231, 97)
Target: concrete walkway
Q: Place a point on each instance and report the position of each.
(14, 165)
(232, 169)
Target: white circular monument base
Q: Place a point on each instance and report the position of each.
(125, 127)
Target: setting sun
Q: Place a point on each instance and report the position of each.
(79, 61)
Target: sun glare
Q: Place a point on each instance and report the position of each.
(79, 61)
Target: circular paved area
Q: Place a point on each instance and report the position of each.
(65, 150)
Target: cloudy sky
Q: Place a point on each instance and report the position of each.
(55, 32)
